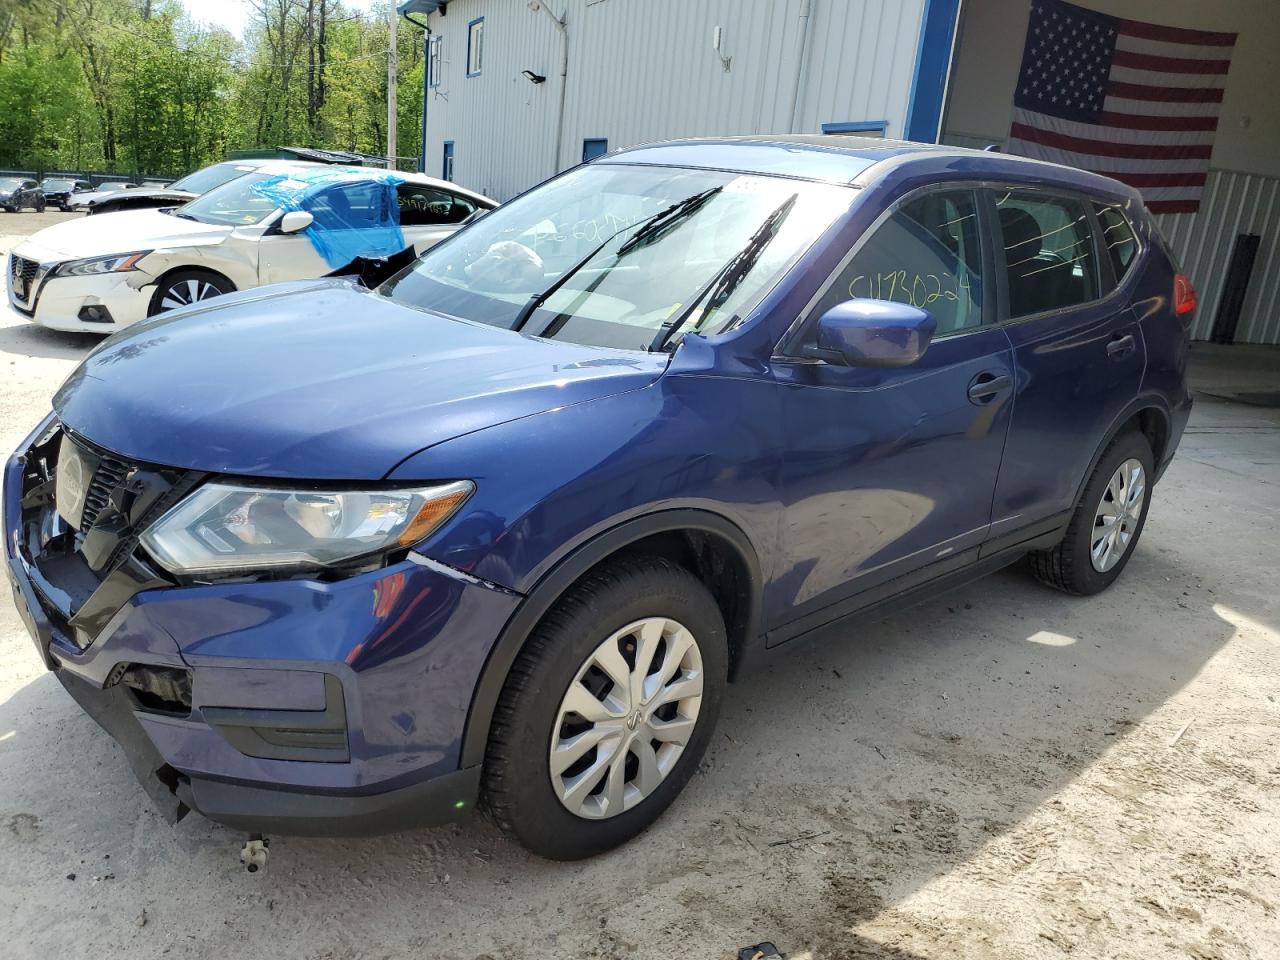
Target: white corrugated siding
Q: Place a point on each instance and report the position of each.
(642, 70)
(1233, 203)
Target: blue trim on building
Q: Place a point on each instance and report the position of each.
(857, 126)
(470, 25)
(933, 63)
(594, 147)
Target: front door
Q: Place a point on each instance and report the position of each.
(351, 220)
(1078, 353)
(890, 471)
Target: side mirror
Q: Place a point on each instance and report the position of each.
(872, 333)
(295, 220)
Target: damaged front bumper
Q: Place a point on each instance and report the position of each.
(294, 706)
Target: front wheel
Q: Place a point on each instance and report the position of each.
(1106, 524)
(607, 710)
(185, 287)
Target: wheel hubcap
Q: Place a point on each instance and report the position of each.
(186, 292)
(626, 718)
(1119, 511)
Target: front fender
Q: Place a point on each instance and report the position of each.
(548, 483)
(233, 261)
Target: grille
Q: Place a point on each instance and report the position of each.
(23, 269)
(109, 475)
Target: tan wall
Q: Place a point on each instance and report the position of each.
(989, 54)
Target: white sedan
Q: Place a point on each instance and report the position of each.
(286, 221)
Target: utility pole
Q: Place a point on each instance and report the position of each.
(392, 55)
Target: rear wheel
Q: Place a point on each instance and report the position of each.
(607, 710)
(185, 287)
(1106, 524)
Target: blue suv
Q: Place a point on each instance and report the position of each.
(326, 559)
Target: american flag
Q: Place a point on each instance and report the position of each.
(1132, 100)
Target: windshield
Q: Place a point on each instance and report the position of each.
(233, 204)
(58, 185)
(202, 181)
(623, 256)
(9, 183)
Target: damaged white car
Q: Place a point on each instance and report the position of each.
(286, 221)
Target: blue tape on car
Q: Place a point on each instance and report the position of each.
(355, 213)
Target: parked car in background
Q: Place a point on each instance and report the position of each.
(109, 188)
(173, 194)
(99, 274)
(19, 192)
(326, 559)
(59, 191)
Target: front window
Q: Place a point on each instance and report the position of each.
(234, 204)
(202, 181)
(632, 257)
(928, 254)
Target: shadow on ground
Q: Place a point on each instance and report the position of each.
(30, 340)
(847, 775)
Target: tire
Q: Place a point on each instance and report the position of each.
(529, 721)
(1073, 566)
(183, 287)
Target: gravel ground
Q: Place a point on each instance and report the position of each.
(1003, 773)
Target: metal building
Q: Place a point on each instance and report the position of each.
(517, 90)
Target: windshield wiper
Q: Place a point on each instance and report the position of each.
(720, 287)
(665, 219)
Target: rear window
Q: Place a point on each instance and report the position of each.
(1118, 241)
(1048, 252)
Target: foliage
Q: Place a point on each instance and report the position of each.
(136, 86)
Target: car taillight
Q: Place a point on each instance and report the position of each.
(1184, 295)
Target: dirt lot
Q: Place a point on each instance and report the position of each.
(1003, 773)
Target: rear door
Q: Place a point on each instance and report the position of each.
(428, 214)
(1077, 352)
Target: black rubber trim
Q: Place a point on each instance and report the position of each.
(1132, 409)
(315, 735)
(113, 710)
(257, 809)
(563, 575)
(1034, 536)
(897, 595)
(873, 596)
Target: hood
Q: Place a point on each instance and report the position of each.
(124, 232)
(321, 380)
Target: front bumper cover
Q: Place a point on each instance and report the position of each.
(309, 707)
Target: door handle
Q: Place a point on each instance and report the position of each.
(986, 386)
(1121, 346)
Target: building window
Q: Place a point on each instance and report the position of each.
(857, 128)
(596, 147)
(434, 68)
(475, 46)
(446, 162)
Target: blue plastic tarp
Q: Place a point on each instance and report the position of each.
(355, 213)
